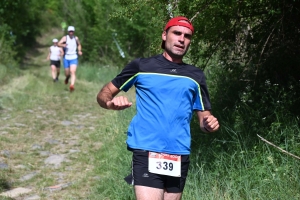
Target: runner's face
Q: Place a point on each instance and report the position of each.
(71, 33)
(177, 41)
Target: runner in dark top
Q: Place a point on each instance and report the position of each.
(167, 93)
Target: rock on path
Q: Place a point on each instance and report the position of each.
(55, 160)
(15, 192)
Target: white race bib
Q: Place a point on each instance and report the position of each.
(164, 164)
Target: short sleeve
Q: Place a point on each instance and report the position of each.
(126, 78)
(202, 101)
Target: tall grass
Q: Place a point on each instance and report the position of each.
(95, 73)
(8, 72)
(234, 163)
(236, 169)
(114, 161)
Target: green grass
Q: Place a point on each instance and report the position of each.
(114, 159)
(94, 73)
(8, 72)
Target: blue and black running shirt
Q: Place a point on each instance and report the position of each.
(166, 95)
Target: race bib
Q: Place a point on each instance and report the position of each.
(164, 164)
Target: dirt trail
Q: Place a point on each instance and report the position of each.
(47, 133)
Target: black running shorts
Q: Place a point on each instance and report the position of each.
(56, 63)
(141, 176)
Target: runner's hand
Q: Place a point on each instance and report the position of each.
(210, 123)
(118, 103)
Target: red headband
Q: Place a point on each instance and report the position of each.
(176, 21)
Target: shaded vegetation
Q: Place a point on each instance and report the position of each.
(20, 24)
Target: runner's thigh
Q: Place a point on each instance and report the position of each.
(140, 173)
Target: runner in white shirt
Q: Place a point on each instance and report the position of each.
(72, 47)
(55, 54)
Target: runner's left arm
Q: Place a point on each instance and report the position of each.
(208, 122)
(78, 46)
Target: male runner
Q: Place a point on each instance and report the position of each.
(167, 92)
(71, 44)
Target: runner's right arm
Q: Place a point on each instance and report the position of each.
(48, 57)
(62, 42)
(106, 98)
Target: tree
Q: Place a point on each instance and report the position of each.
(20, 21)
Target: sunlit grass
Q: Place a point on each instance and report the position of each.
(94, 73)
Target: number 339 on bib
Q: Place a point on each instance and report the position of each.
(164, 164)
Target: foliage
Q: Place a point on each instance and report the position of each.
(6, 45)
(98, 23)
(25, 29)
(103, 21)
(7, 54)
(21, 20)
(249, 41)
